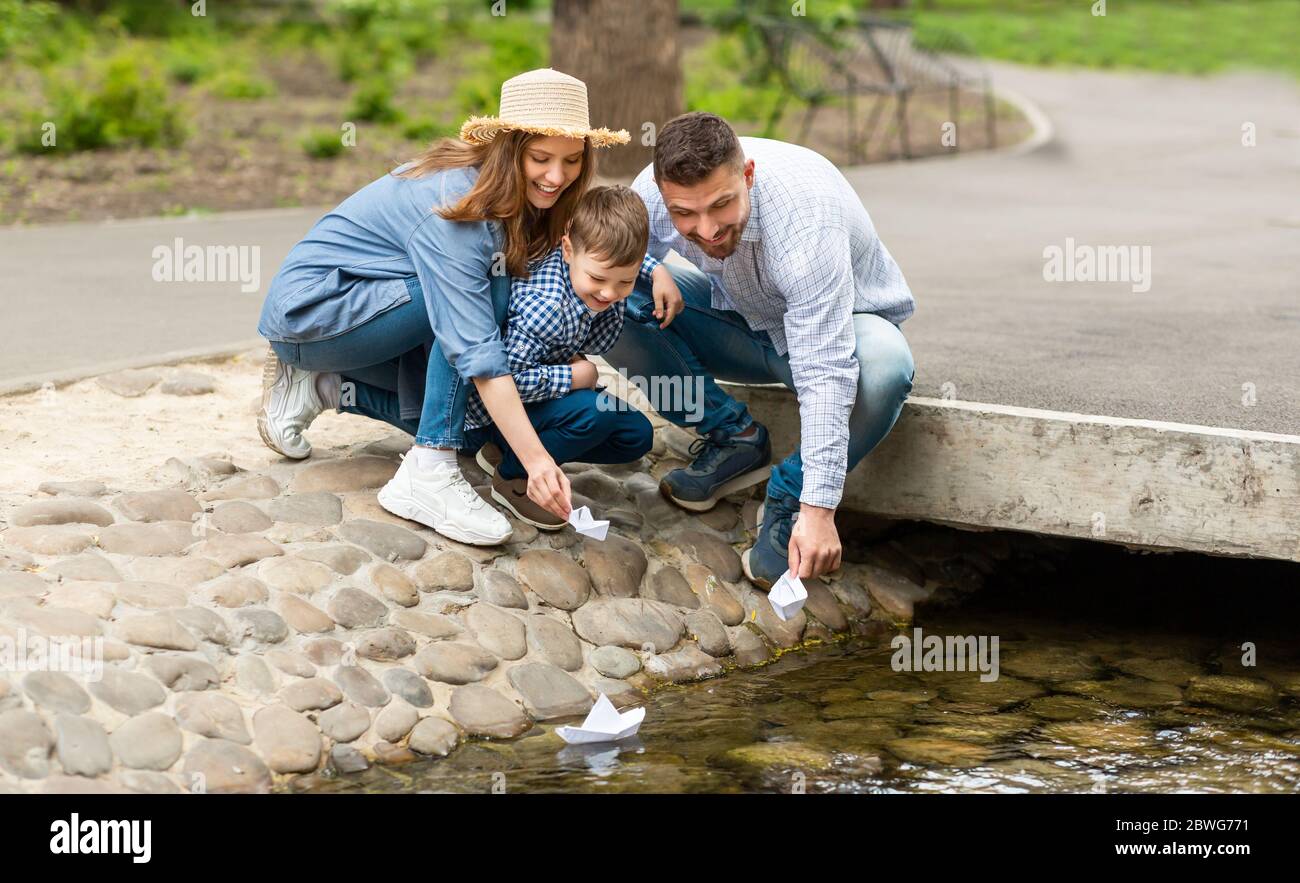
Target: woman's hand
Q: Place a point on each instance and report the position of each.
(668, 297)
(548, 487)
(584, 373)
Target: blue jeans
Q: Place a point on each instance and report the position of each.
(719, 345)
(368, 357)
(584, 426)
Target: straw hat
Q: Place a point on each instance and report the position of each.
(545, 102)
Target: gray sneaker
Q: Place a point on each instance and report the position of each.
(723, 465)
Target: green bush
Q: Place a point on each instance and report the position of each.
(428, 129)
(24, 23)
(322, 144)
(126, 102)
(372, 102)
(240, 84)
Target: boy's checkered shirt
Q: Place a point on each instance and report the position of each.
(548, 325)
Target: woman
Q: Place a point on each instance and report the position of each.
(421, 257)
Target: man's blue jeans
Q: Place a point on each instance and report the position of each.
(719, 345)
(367, 358)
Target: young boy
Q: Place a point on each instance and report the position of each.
(570, 304)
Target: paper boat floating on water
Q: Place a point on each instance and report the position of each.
(787, 596)
(584, 524)
(603, 724)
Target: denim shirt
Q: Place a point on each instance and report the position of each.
(353, 265)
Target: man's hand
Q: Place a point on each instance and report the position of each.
(584, 373)
(668, 297)
(814, 543)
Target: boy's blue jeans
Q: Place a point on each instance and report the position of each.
(584, 426)
(719, 345)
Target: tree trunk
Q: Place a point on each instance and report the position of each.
(627, 55)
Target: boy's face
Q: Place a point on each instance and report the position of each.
(598, 283)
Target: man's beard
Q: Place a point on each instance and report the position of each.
(722, 249)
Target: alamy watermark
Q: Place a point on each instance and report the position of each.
(179, 262)
(667, 394)
(1098, 263)
(921, 652)
(72, 654)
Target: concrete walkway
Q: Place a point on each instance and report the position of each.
(1137, 160)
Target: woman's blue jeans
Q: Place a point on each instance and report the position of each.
(706, 345)
(367, 358)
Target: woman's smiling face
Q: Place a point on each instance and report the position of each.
(551, 164)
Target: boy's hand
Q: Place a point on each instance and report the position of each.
(668, 297)
(584, 373)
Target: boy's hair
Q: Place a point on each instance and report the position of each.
(612, 224)
(690, 147)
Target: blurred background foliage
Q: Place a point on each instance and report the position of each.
(271, 81)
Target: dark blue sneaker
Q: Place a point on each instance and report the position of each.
(723, 465)
(767, 559)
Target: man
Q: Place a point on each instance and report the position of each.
(789, 284)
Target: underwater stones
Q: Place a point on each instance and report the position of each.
(1231, 693)
(688, 663)
(434, 736)
(765, 756)
(927, 751)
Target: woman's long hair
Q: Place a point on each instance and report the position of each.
(501, 192)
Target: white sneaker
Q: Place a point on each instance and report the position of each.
(289, 405)
(442, 499)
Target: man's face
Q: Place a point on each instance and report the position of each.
(598, 283)
(712, 213)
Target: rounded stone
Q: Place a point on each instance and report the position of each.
(713, 553)
(149, 741)
(615, 662)
(73, 488)
(496, 631)
(296, 575)
(502, 590)
(158, 539)
(409, 686)
(324, 651)
(260, 625)
(749, 648)
(176, 571)
(554, 641)
(253, 676)
(598, 486)
(25, 744)
(482, 711)
(239, 517)
(320, 509)
(55, 691)
(236, 550)
(385, 644)
(155, 506)
(549, 692)
(687, 663)
(81, 746)
(311, 694)
(434, 736)
(394, 585)
(159, 630)
(237, 592)
(444, 572)
(388, 541)
(211, 714)
(183, 674)
(291, 663)
(630, 622)
(345, 722)
(350, 474)
(23, 585)
(249, 487)
(150, 596)
(1231, 693)
(52, 539)
(355, 609)
(668, 585)
(784, 633)
(53, 621)
(431, 625)
(716, 595)
(343, 560)
(222, 767)
(87, 566)
(70, 511)
(303, 617)
(361, 686)
(554, 577)
(130, 383)
(289, 742)
(394, 722)
(709, 632)
(821, 603)
(346, 759)
(454, 662)
(188, 383)
(204, 623)
(615, 566)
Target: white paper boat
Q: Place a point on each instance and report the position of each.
(604, 723)
(787, 596)
(584, 524)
